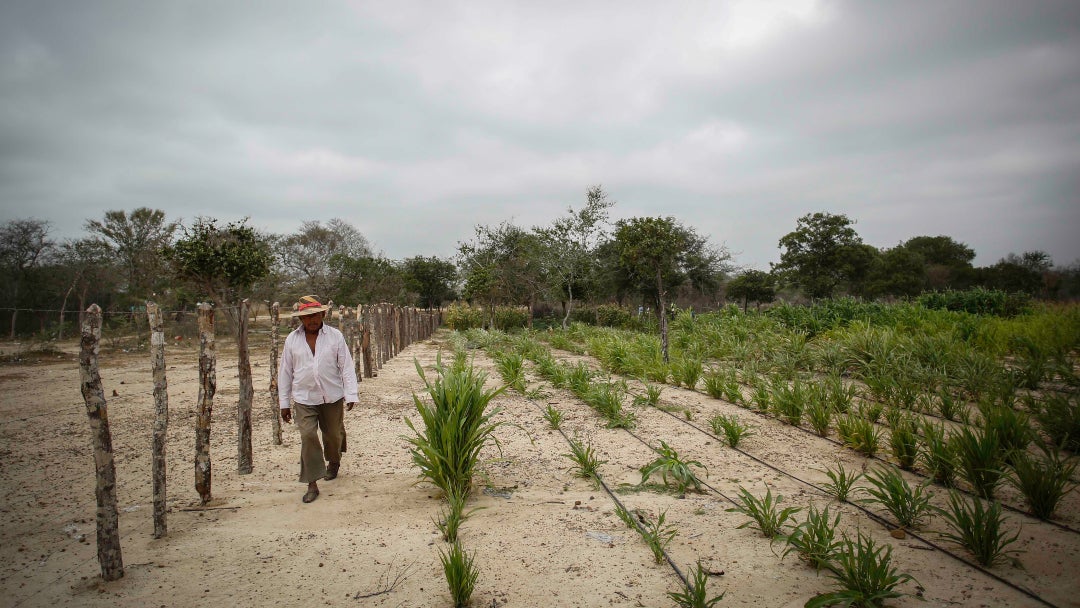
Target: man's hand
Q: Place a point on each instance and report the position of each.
(349, 405)
(286, 415)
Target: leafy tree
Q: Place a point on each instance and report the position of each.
(368, 279)
(570, 244)
(503, 265)
(896, 272)
(88, 271)
(137, 239)
(822, 254)
(658, 254)
(305, 256)
(431, 279)
(220, 261)
(947, 263)
(24, 246)
(752, 286)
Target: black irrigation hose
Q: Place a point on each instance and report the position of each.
(637, 525)
(877, 518)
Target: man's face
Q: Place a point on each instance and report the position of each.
(312, 322)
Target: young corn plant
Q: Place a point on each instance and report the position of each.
(870, 411)
(586, 462)
(765, 513)
(651, 396)
(657, 535)
(511, 367)
(841, 482)
(451, 518)
(1059, 416)
(814, 540)
(978, 529)
(938, 454)
(461, 573)
(680, 471)
(908, 506)
(687, 371)
(789, 401)
(904, 442)
(865, 574)
(456, 426)
(819, 414)
(1012, 427)
(980, 459)
(760, 395)
(695, 595)
(553, 416)
(1043, 480)
(860, 435)
(730, 428)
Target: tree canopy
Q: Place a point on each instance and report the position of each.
(822, 254)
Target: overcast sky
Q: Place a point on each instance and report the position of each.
(415, 122)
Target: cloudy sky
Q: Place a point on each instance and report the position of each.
(417, 121)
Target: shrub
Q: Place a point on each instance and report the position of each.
(461, 316)
(610, 315)
(511, 317)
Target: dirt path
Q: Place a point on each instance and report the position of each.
(542, 537)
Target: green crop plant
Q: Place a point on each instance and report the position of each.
(980, 458)
(553, 416)
(841, 482)
(687, 371)
(607, 399)
(978, 529)
(765, 514)
(579, 378)
(839, 395)
(938, 454)
(909, 506)
(695, 595)
(625, 516)
(586, 462)
(451, 518)
(1043, 480)
(680, 471)
(1012, 427)
(730, 428)
(760, 395)
(657, 535)
(651, 396)
(948, 406)
(1058, 413)
(461, 573)
(511, 367)
(819, 414)
(904, 442)
(789, 401)
(814, 540)
(865, 574)
(870, 410)
(456, 426)
(859, 434)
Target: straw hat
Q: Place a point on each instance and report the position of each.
(308, 305)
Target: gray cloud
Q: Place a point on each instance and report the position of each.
(415, 122)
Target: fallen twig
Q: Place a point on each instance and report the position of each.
(387, 584)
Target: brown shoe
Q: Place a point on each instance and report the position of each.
(311, 495)
(331, 470)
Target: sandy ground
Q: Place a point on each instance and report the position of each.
(541, 538)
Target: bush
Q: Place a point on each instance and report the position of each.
(610, 315)
(977, 301)
(511, 317)
(461, 316)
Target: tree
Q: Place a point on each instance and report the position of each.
(24, 246)
(896, 272)
(570, 244)
(947, 263)
(220, 261)
(658, 254)
(87, 268)
(752, 286)
(502, 265)
(305, 256)
(431, 279)
(822, 254)
(368, 279)
(137, 239)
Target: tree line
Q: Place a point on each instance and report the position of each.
(128, 257)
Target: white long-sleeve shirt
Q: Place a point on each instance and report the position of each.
(324, 377)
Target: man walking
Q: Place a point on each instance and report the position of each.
(318, 377)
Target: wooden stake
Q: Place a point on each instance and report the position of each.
(108, 520)
(247, 395)
(161, 418)
(205, 406)
(275, 325)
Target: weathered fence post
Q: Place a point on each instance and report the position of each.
(205, 407)
(161, 418)
(365, 340)
(275, 323)
(108, 520)
(247, 394)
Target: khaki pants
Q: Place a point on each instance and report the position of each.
(310, 419)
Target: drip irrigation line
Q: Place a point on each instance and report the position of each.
(637, 525)
(879, 519)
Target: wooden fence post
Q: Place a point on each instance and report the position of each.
(247, 395)
(161, 419)
(275, 325)
(108, 520)
(205, 407)
(365, 341)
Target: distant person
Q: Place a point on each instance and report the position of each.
(318, 378)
